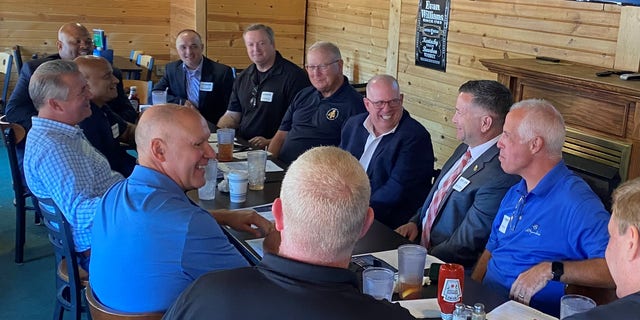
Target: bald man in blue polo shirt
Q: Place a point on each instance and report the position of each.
(318, 113)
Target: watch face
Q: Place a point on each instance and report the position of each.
(557, 269)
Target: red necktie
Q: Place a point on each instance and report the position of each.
(434, 207)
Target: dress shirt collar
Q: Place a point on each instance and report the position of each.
(194, 73)
(307, 272)
(478, 150)
(367, 125)
(60, 127)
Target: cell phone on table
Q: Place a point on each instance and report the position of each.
(367, 261)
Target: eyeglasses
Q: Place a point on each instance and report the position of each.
(517, 212)
(393, 103)
(253, 102)
(320, 67)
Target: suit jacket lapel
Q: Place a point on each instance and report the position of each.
(181, 89)
(206, 75)
(475, 167)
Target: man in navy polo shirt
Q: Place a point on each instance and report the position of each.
(318, 113)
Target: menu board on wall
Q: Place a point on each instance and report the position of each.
(431, 34)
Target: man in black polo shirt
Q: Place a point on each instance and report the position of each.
(318, 113)
(262, 92)
(322, 211)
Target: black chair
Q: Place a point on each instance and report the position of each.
(70, 278)
(12, 135)
(6, 61)
(17, 57)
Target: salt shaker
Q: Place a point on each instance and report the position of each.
(460, 313)
(478, 312)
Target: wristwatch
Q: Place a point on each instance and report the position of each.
(557, 270)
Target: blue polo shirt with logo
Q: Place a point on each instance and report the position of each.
(561, 219)
(313, 120)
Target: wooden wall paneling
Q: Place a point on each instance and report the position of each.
(129, 24)
(628, 46)
(359, 28)
(226, 20)
(395, 7)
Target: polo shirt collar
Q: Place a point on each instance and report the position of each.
(154, 180)
(307, 272)
(345, 86)
(548, 182)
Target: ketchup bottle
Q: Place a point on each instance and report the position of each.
(450, 284)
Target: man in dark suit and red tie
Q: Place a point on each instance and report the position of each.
(196, 80)
(455, 220)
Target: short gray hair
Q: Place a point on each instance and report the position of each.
(543, 120)
(327, 46)
(47, 83)
(325, 199)
(265, 28)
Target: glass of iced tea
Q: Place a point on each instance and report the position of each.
(225, 144)
(411, 261)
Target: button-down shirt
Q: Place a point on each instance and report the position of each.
(372, 142)
(60, 164)
(193, 82)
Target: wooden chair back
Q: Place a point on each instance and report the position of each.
(146, 61)
(101, 312)
(133, 56)
(143, 87)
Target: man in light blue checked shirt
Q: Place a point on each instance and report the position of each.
(59, 162)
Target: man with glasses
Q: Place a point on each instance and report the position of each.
(550, 229)
(394, 149)
(318, 113)
(196, 80)
(455, 220)
(262, 92)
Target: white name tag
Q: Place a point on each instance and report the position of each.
(504, 224)
(206, 86)
(115, 131)
(266, 96)
(461, 184)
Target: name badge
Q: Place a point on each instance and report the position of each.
(266, 96)
(115, 131)
(504, 224)
(461, 184)
(206, 86)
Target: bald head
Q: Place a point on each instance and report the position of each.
(325, 206)
(173, 140)
(74, 40)
(99, 74)
(156, 122)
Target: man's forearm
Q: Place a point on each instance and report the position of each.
(276, 142)
(228, 121)
(481, 267)
(591, 272)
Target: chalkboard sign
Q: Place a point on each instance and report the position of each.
(431, 34)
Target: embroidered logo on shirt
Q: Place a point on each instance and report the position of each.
(533, 230)
(332, 114)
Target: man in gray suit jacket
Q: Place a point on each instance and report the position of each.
(459, 224)
(196, 80)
